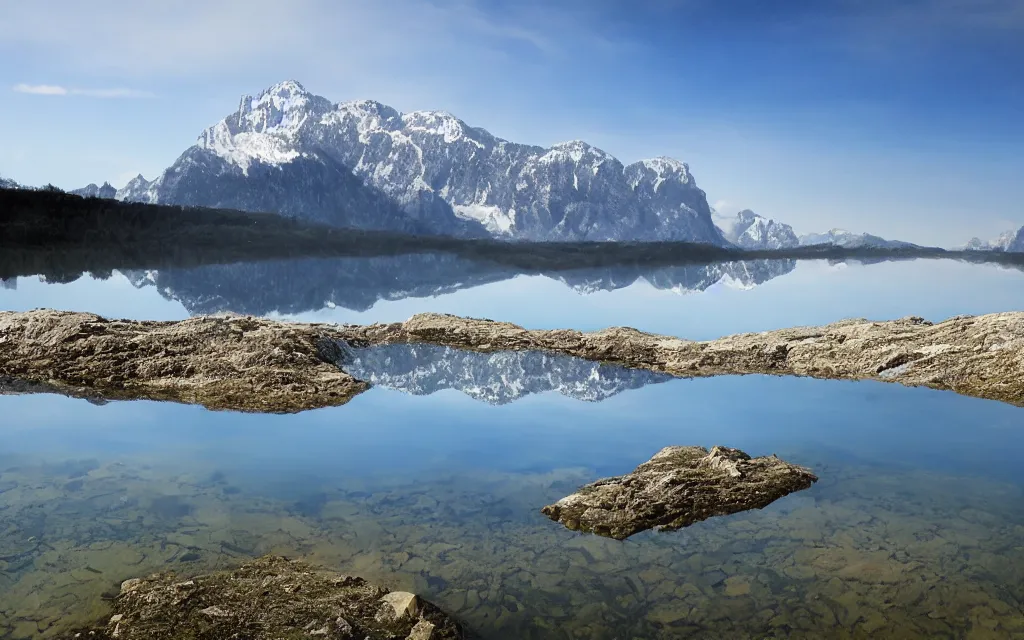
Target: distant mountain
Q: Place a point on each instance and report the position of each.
(748, 230)
(1007, 241)
(843, 238)
(364, 164)
(92, 191)
(496, 378)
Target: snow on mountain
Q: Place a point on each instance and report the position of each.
(290, 151)
(843, 238)
(496, 378)
(138, 189)
(92, 191)
(750, 231)
(1007, 241)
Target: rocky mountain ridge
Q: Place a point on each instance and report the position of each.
(751, 231)
(367, 165)
(92, 191)
(1012, 240)
(844, 238)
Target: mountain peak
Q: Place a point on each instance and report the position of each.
(284, 88)
(750, 230)
(665, 167)
(576, 150)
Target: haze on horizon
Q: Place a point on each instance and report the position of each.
(901, 119)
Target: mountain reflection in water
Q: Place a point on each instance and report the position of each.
(495, 378)
(297, 286)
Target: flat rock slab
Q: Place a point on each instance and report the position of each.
(678, 487)
(256, 364)
(270, 598)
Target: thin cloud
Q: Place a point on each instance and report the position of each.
(41, 89)
(57, 90)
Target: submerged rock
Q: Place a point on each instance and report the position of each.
(678, 487)
(268, 599)
(256, 364)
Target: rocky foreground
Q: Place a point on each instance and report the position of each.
(269, 599)
(254, 364)
(678, 487)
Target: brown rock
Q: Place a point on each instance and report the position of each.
(676, 488)
(253, 364)
(269, 598)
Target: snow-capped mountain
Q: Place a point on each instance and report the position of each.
(365, 164)
(1007, 241)
(92, 191)
(843, 238)
(138, 189)
(496, 378)
(750, 231)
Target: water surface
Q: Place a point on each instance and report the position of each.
(433, 480)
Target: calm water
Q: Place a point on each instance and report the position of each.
(433, 480)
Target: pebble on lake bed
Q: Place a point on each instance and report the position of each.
(678, 487)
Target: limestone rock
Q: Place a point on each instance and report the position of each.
(255, 364)
(678, 487)
(424, 630)
(269, 598)
(402, 603)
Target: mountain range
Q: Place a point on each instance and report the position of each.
(92, 191)
(364, 164)
(1007, 241)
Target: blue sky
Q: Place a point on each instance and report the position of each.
(904, 119)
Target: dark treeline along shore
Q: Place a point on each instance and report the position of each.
(61, 236)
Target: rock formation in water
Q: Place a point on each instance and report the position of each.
(678, 487)
(219, 362)
(254, 364)
(270, 598)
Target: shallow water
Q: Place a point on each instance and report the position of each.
(433, 480)
(916, 528)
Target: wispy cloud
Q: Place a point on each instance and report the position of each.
(41, 89)
(57, 90)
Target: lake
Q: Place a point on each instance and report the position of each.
(433, 480)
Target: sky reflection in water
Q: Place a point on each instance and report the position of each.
(919, 489)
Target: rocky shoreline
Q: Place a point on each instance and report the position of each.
(255, 364)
